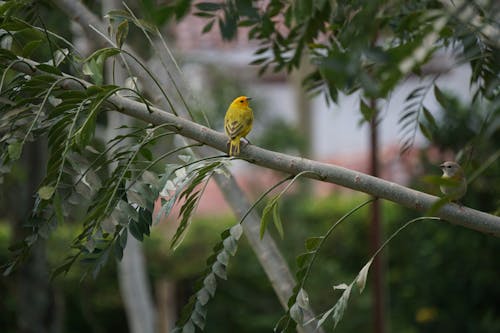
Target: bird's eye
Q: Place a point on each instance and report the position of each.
(241, 101)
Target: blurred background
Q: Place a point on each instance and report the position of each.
(433, 277)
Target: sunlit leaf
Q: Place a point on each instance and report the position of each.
(15, 149)
(362, 275)
(46, 192)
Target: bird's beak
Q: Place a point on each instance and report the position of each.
(441, 166)
(249, 98)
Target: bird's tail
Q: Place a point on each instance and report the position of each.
(234, 147)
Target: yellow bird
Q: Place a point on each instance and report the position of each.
(238, 123)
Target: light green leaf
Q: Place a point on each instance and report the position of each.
(230, 245)
(188, 328)
(341, 305)
(203, 296)
(210, 284)
(134, 197)
(324, 317)
(297, 314)
(219, 270)
(236, 231)
(121, 33)
(362, 275)
(223, 257)
(277, 220)
(302, 299)
(46, 192)
(15, 149)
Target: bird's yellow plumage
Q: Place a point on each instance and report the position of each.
(238, 123)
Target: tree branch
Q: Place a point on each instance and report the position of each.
(266, 250)
(358, 181)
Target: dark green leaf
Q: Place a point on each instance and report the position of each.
(208, 6)
(303, 259)
(366, 111)
(118, 249)
(208, 26)
(440, 97)
(425, 131)
(30, 47)
(135, 230)
(429, 117)
(313, 243)
(49, 69)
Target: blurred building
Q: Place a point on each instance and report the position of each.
(337, 134)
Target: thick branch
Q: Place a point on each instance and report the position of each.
(355, 180)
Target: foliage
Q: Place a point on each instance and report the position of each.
(114, 184)
(368, 46)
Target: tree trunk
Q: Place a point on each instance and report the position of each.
(33, 293)
(376, 233)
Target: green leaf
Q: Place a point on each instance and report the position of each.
(210, 284)
(223, 257)
(302, 299)
(119, 14)
(94, 70)
(366, 111)
(440, 97)
(118, 250)
(313, 243)
(303, 259)
(30, 47)
(15, 149)
(341, 305)
(259, 61)
(46, 192)
(123, 238)
(49, 69)
(297, 314)
(236, 231)
(135, 230)
(425, 131)
(208, 6)
(86, 131)
(230, 245)
(323, 318)
(64, 268)
(188, 328)
(149, 27)
(265, 212)
(429, 117)
(219, 270)
(121, 33)
(362, 275)
(208, 27)
(277, 220)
